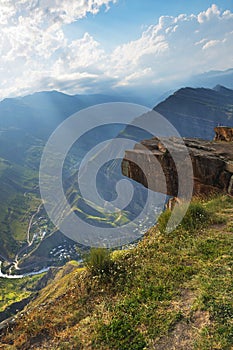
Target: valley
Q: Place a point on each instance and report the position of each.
(25, 231)
(116, 175)
(31, 245)
(29, 240)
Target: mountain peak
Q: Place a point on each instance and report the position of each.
(221, 88)
(196, 111)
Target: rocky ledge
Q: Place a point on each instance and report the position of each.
(212, 163)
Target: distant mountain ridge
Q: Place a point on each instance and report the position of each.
(195, 112)
(154, 93)
(46, 110)
(26, 123)
(212, 78)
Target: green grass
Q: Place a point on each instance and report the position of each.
(13, 290)
(196, 217)
(17, 202)
(171, 291)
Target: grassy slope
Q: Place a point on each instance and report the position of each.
(13, 290)
(173, 291)
(17, 204)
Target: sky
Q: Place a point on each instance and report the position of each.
(103, 46)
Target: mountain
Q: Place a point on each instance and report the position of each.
(25, 125)
(152, 94)
(29, 241)
(212, 78)
(195, 112)
(40, 113)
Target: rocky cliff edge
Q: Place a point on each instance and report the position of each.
(212, 163)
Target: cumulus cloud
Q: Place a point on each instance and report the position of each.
(177, 47)
(37, 55)
(208, 15)
(33, 45)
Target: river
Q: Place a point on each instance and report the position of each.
(3, 275)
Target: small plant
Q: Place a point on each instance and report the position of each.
(99, 262)
(163, 220)
(120, 334)
(196, 217)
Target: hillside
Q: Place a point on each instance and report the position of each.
(193, 112)
(171, 291)
(18, 202)
(196, 112)
(40, 113)
(25, 124)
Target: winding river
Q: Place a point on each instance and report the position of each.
(3, 275)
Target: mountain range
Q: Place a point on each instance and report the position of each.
(152, 95)
(196, 111)
(25, 125)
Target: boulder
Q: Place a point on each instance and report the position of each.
(223, 133)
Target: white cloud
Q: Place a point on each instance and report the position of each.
(208, 15)
(178, 47)
(37, 55)
(33, 45)
(85, 52)
(52, 11)
(210, 43)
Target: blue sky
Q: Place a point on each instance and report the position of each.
(125, 20)
(102, 46)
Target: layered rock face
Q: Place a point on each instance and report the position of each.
(212, 163)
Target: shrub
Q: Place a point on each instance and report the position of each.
(196, 217)
(99, 262)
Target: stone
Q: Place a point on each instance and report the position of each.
(223, 133)
(212, 163)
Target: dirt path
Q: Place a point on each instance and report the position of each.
(30, 242)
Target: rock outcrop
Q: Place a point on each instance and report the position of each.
(223, 133)
(212, 163)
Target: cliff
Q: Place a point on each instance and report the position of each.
(212, 163)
